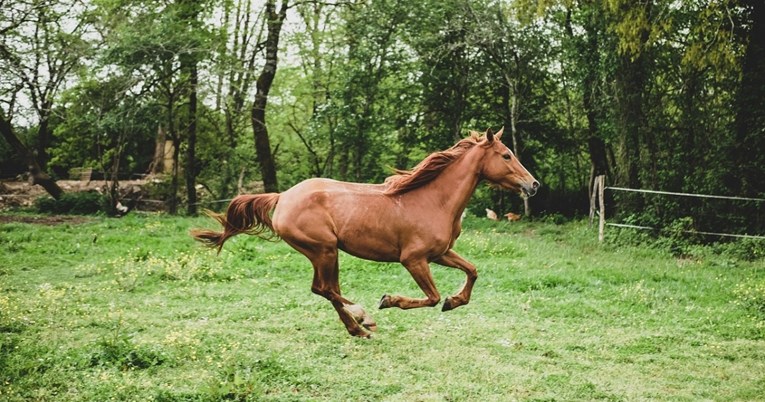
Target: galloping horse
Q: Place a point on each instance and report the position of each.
(413, 218)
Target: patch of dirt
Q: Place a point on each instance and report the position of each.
(14, 194)
(51, 220)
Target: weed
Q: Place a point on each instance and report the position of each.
(118, 349)
(752, 296)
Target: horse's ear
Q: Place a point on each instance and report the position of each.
(498, 135)
(489, 135)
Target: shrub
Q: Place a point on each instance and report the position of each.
(744, 249)
(678, 236)
(73, 203)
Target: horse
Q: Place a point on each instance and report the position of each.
(414, 217)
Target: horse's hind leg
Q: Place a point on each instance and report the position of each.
(326, 284)
(454, 260)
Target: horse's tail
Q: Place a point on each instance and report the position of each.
(245, 214)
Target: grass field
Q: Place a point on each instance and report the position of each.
(133, 309)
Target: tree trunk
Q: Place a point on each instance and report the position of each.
(157, 164)
(511, 115)
(36, 173)
(749, 151)
(44, 136)
(174, 179)
(589, 61)
(114, 171)
(171, 131)
(191, 141)
(596, 145)
(630, 80)
(263, 86)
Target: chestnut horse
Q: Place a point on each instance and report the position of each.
(413, 218)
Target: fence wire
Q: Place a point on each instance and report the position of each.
(721, 197)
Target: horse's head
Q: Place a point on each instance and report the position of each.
(502, 167)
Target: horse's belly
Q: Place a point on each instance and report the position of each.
(370, 247)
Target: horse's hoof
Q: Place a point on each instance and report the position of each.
(356, 311)
(384, 302)
(362, 335)
(370, 326)
(447, 304)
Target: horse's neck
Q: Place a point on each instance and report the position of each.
(456, 184)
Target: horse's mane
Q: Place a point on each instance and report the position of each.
(429, 168)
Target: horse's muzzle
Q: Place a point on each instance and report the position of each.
(530, 190)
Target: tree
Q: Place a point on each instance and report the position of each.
(630, 83)
(37, 175)
(159, 45)
(265, 80)
(750, 107)
(377, 103)
(315, 82)
(585, 50)
(239, 43)
(107, 127)
(517, 54)
(41, 45)
(450, 60)
(189, 60)
(41, 53)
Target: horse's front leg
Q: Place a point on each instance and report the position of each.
(420, 271)
(454, 260)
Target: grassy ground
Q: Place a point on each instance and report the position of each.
(132, 309)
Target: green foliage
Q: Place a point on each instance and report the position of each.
(678, 236)
(745, 249)
(118, 350)
(84, 203)
(665, 85)
(159, 188)
(104, 127)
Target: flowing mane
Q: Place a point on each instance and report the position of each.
(430, 167)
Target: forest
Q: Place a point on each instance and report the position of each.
(212, 95)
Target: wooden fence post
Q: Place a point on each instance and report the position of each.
(593, 195)
(601, 180)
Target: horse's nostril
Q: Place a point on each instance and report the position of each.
(535, 185)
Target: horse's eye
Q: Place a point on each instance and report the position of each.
(506, 157)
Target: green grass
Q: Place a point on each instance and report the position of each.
(133, 309)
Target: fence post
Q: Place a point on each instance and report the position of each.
(593, 194)
(601, 180)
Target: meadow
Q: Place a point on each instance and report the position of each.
(132, 309)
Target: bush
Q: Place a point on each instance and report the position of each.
(73, 203)
(744, 249)
(678, 236)
(160, 188)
